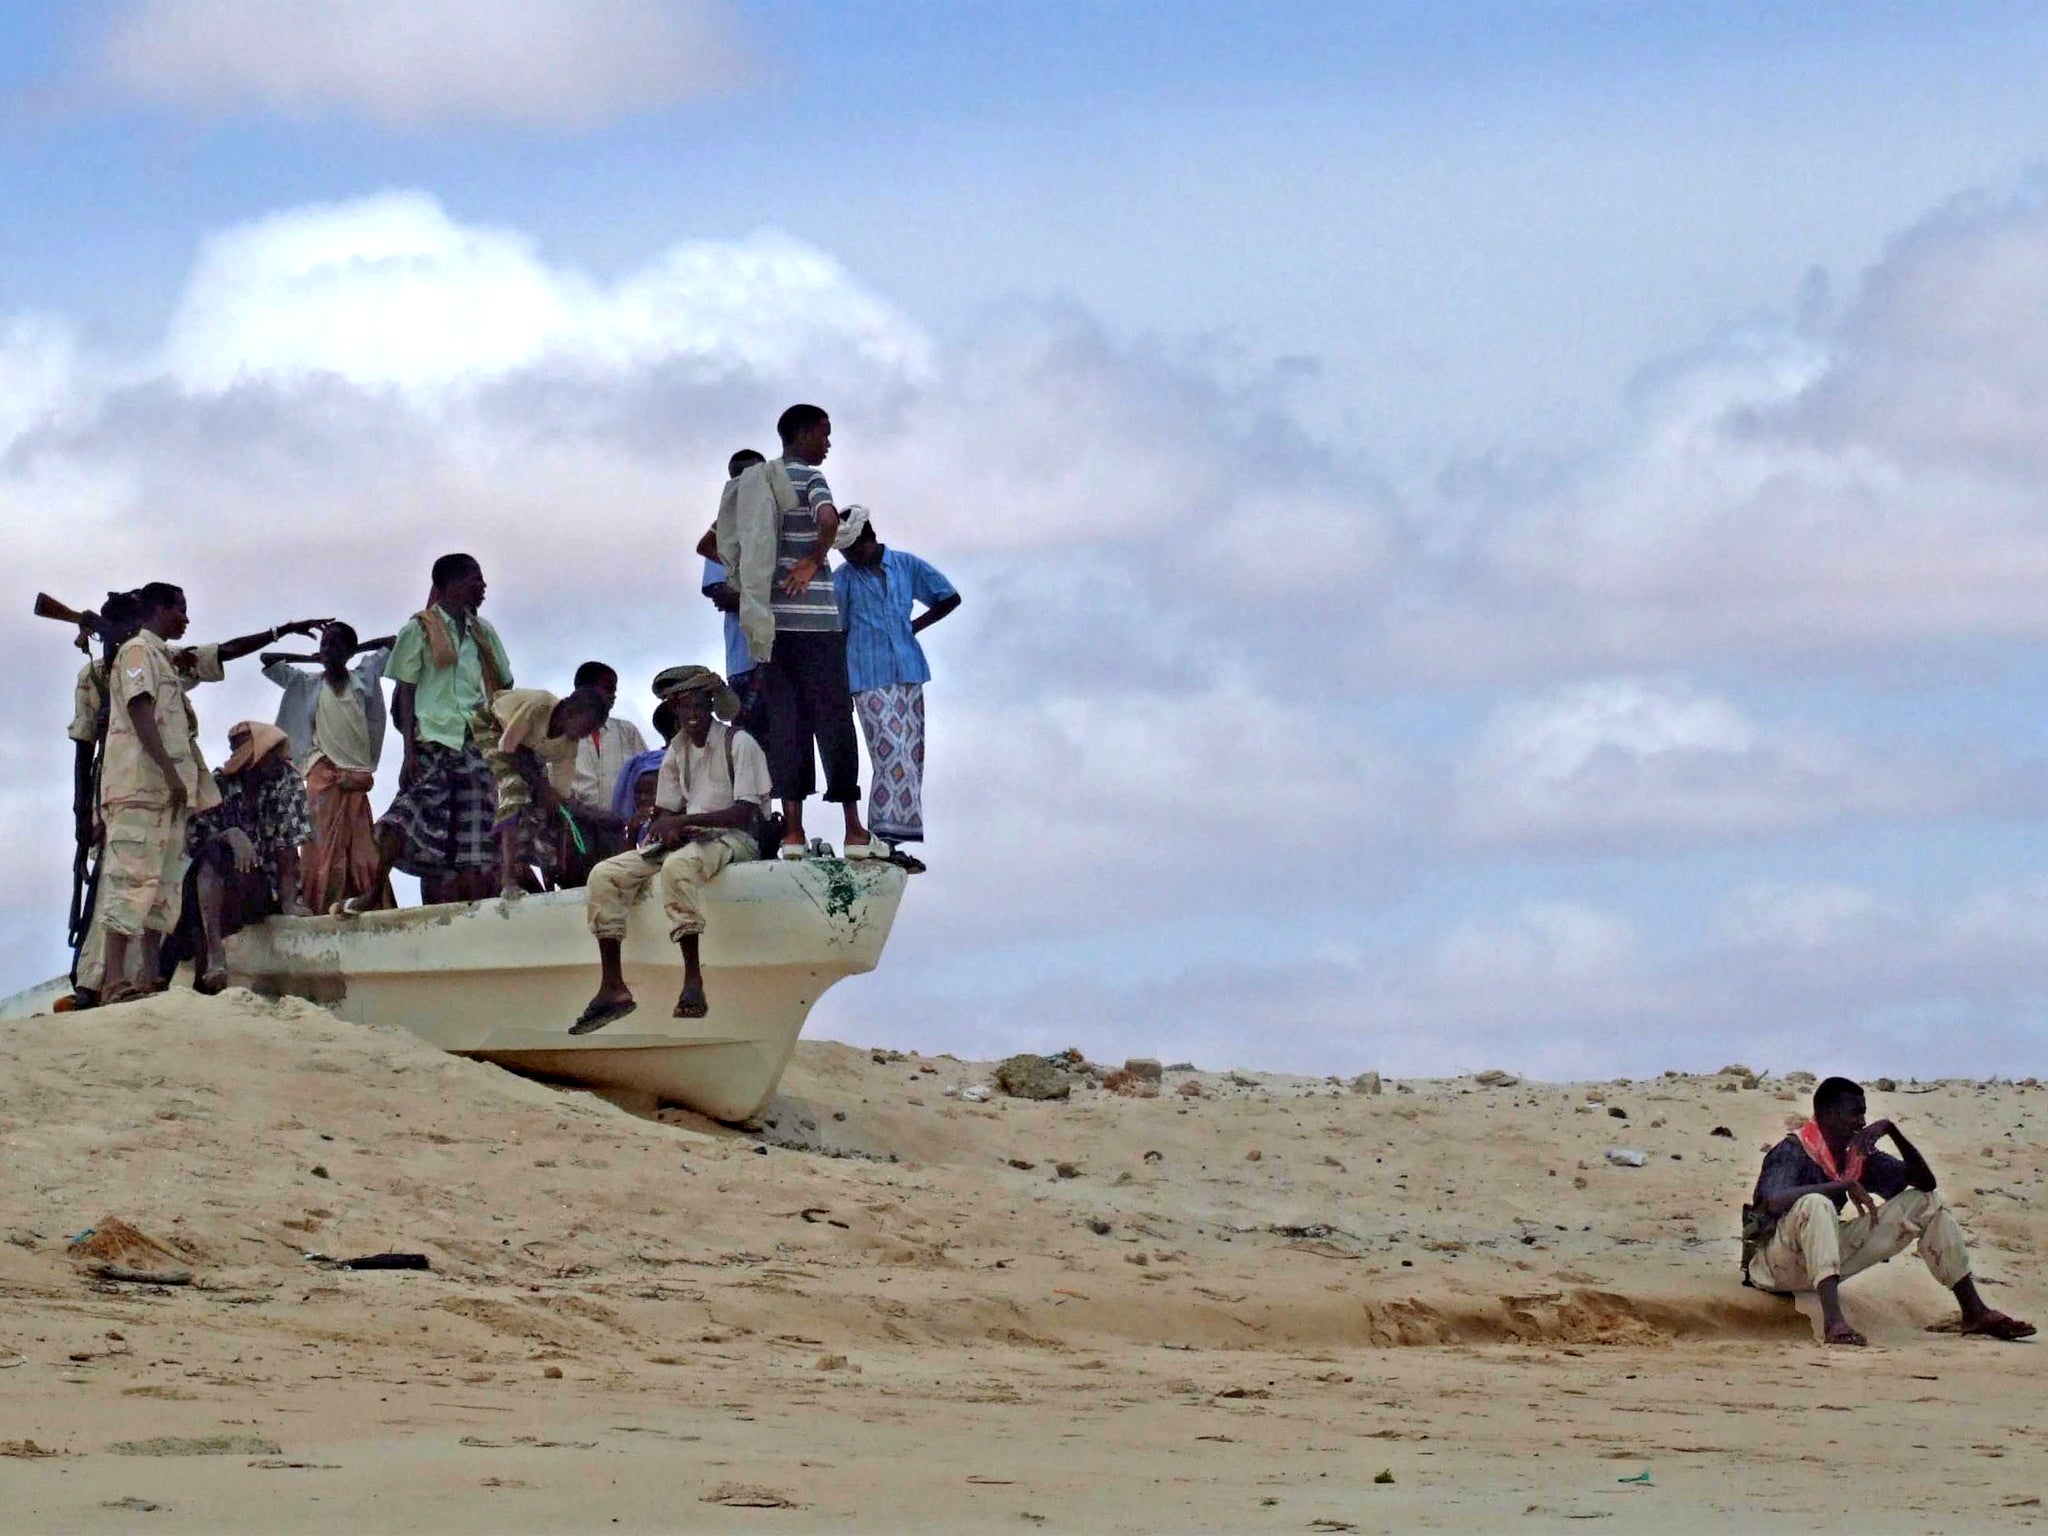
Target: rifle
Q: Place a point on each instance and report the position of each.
(85, 868)
(84, 620)
(84, 871)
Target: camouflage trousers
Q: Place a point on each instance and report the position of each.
(1812, 1243)
(142, 873)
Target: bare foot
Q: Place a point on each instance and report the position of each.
(691, 1005)
(511, 890)
(1842, 1333)
(295, 908)
(212, 981)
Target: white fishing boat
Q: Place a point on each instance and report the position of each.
(503, 980)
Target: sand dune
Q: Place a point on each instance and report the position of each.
(1225, 1307)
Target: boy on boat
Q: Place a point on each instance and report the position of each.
(712, 790)
(605, 751)
(530, 739)
(633, 796)
(447, 662)
(877, 589)
(741, 675)
(1794, 1240)
(334, 719)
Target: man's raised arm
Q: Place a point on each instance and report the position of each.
(1918, 1173)
(242, 645)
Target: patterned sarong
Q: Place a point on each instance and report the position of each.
(339, 861)
(892, 720)
(443, 817)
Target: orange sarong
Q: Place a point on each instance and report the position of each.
(340, 863)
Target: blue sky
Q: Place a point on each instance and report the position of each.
(1493, 533)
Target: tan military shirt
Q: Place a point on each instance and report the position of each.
(144, 667)
(522, 716)
(85, 704)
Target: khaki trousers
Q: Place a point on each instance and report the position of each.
(618, 882)
(142, 873)
(92, 955)
(1812, 1242)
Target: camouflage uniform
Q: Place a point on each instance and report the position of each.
(143, 869)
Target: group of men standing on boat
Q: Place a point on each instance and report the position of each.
(504, 789)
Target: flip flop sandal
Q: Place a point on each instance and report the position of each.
(907, 861)
(211, 983)
(875, 848)
(597, 1015)
(691, 1010)
(793, 852)
(1997, 1326)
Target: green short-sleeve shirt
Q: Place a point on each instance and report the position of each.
(444, 697)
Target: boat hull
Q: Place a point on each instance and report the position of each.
(504, 980)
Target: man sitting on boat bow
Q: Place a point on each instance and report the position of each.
(712, 792)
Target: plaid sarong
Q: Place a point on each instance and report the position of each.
(443, 817)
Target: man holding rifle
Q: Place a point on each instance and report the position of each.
(152, 779)
(131, 775)
(114, 623)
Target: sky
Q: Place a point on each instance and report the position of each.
(1492, 535)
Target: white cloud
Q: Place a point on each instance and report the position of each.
(1805, 916)
(389, 291)
(1629, 762)
(414, 63)
(38, 373)
(1827, 486)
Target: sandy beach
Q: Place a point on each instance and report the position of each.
(1251, 1303)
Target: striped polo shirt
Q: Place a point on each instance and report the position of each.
(816, 608)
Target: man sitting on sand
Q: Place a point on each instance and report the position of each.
(713, 789)
(1793, 1239)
